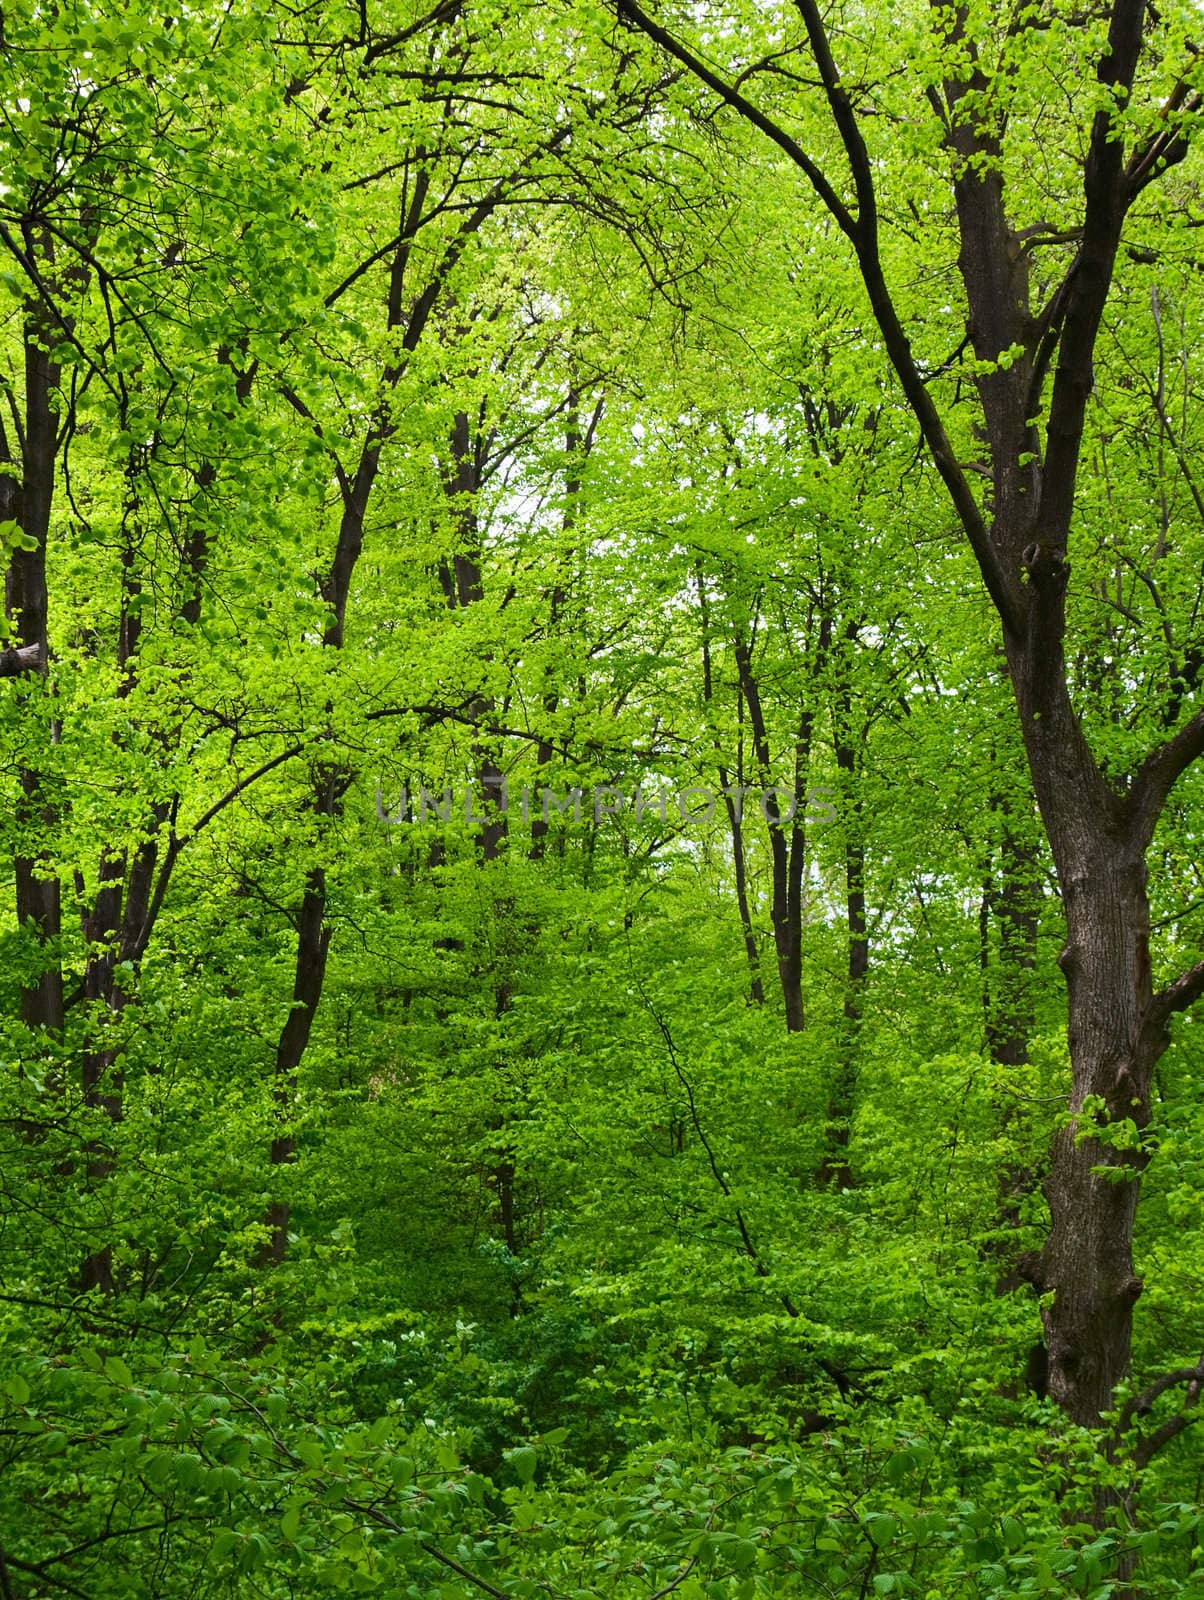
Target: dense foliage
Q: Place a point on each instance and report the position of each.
(531, 1023)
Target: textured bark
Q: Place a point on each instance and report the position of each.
(26, 499)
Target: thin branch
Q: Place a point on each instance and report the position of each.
(1147, 1448)
(732, 97)
(178, 842)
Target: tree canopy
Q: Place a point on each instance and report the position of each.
(599, 717)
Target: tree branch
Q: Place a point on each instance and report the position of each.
(1147, 1448)
(1107, 196)
(732, 97)
(1177, 996)
(14, 661)
(862, 232)
(1160, 771)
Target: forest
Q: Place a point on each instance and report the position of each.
(601, 703)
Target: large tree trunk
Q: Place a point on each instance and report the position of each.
(1088, 1260)
(1098, 845)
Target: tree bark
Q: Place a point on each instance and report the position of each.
(26, 500)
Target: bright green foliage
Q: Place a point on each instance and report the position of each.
(596, 1281)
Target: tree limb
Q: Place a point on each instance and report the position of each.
(1160, 771)
(1107, 196)
(1147, 1448)
(17, 660)
(1177, 996)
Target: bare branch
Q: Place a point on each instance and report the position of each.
(1147, 1448)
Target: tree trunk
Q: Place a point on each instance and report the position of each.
(835, 1170)
(1099, 851)
(27, 502)
(1088, 1260)
(313, 945)
(785, 847)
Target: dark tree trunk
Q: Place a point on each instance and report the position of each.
(313, 944)
(786, 844)
(26, 500)
(1099, 853)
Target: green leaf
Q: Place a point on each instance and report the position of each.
(17, 1389)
